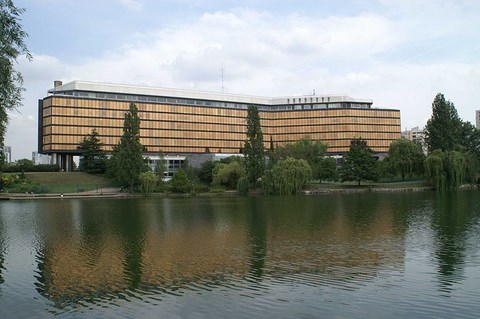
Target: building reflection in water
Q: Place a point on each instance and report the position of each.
(117, 248)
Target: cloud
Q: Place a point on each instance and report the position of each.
(134, 5)
(400, 58)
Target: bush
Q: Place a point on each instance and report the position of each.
(243, 186)
(15, 168)
(148, 181)
(228, 174)
(180, 183)
(201, 188)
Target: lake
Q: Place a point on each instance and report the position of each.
(369, 255)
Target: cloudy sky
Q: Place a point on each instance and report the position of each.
(399, 53)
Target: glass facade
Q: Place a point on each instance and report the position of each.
(180, 127)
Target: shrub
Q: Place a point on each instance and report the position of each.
(243, 186)
(180, 183)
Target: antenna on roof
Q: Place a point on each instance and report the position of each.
(222, 80)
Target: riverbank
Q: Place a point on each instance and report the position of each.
(101, 193)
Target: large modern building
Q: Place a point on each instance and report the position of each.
(185, 122)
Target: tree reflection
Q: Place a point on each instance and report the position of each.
(257, 229)
(130, 225)
(453, 213)
(2, 250)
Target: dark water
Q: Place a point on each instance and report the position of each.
(402, 255)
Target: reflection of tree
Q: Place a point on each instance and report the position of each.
(257, 228)
(130, 225)
(452, 216)
(2, 250)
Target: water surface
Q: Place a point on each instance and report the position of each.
(401, 255)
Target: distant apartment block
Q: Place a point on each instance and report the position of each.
(8, 154)
(415, 135)
(39, 159)
(477, 119)
(189, 123)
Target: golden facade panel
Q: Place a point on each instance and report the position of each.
(66, 120)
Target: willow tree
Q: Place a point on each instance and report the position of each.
(405, 158)
(12, 46)
(253, 149)
(445, 170)
(287, 177)
(305, 148)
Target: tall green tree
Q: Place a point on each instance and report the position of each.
(93, 158)
(358, 163)
(127, 159)
(405, 158)
(253, 149)
(443, 129)
(12, 46)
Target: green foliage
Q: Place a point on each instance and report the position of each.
(445, 170)
(160, 166)
(148, 181)
(205, 173)
(405, 158)
(443, 129)
(180, 182)
(227, 175)
(12, 46)
(472, 167)
(93, 159)
(17, 184)
(287, 177)
(253, 149)
(127, 160)
(243, 185)
(327, 169)
(358, 163)
(311, 151)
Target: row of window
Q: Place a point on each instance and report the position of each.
(156, 119)
(343, 139)
(298, 103)
(111, 107)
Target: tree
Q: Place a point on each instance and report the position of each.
(127, 158)
(358, 163)
(93, 158)
(443, 129)
(148, 181)
(405, 158)
(445, 170)
(180, 182)
(305, 148)
(287, 177)
(253, 150)
(12, 46)
(228, 174)
(327, 169)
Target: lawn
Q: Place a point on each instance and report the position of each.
(68, 182)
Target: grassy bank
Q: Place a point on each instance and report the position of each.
(66, 182)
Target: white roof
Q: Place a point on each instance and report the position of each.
(191, 94)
